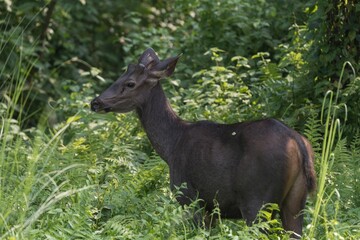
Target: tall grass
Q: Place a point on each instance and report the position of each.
(327, 208)
(27, 188)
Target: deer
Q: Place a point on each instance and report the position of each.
(242, 165)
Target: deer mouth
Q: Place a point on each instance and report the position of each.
(98, 106)
(108, 109)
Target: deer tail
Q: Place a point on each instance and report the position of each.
(308, 164)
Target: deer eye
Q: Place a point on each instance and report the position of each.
(130, 84)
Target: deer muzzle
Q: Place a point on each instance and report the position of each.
(98, 106)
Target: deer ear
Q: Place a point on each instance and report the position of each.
(164, 68)
(149, 58)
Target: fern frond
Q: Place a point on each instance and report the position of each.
(313, 131)
(355, 143)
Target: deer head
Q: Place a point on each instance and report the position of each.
(133, 87)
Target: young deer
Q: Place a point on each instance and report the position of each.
(241, 165)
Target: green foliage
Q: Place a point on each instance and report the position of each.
(333, 23)
(330, 24)
(336, 185)
(29, 189)
(216, 91)
(187, 26)
(244, 89)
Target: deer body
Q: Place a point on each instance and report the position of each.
(242, 166)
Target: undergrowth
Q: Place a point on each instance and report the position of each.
(335, 211)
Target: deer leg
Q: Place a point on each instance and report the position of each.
(249, 211)
(204, 219)
(290, 211)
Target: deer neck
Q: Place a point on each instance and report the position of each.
(162, 126)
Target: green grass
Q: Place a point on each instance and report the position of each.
(328, 211)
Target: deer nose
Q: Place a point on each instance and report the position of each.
(96, 105)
